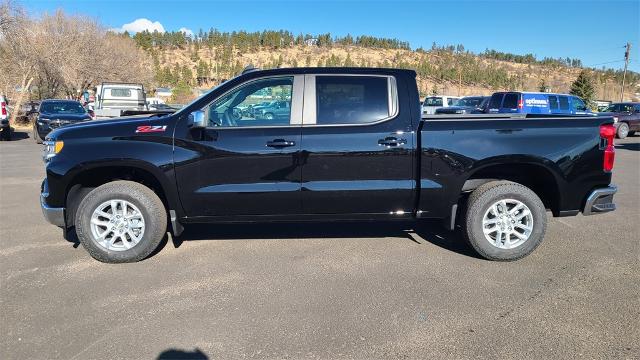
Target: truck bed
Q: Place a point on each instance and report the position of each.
(560, 155)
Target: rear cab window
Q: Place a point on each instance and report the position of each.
(353, 99)
(121, 93)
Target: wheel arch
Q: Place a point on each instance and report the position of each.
(532, 173)
(86, 177)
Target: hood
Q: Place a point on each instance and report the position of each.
(110, 127)
(66, 117)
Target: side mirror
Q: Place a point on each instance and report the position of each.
(197, 119)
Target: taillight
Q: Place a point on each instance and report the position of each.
(608, 132)
(520, 104)
(3, 105)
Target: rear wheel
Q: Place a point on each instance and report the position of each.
(268, 116)
(623, 130)
(505, 221)
(121, 221)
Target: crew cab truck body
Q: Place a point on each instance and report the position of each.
(354, 147)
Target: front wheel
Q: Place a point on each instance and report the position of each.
(505, 221)
(121, 221)
(623, 130)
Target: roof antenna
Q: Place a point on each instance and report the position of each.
(249, 68)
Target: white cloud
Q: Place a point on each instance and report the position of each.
(141, 24)
(186, 31)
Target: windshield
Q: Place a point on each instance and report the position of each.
(469, 101)
(63, 107)
(433, 101)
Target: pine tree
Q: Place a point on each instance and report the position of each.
(543, 86)
(583, 87)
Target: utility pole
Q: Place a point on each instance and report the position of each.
(624, 75)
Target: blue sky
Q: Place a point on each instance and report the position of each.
(594, 31)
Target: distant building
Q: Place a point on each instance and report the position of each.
(163, 92)
(311, 42)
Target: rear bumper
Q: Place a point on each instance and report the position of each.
(600, 201)
(54, 215)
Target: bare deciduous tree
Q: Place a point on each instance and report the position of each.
(66, 55)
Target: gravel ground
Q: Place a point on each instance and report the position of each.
(355, 291)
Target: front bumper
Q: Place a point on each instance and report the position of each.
(53, 215)
(600, 201)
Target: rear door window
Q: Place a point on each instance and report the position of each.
(510, 101)
(451, 101)
(564, 102)
(553, 102)
(352, 99)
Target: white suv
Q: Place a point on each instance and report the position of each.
(431, 103)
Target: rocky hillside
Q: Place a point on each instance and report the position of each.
(449, 70)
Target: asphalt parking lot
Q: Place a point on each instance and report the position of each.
(357, 291)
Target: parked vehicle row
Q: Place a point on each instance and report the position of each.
(351, 145)
(626, 117)
(53, 114)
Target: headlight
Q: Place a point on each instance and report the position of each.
(615, 119)
(42, 121)
(51, 149)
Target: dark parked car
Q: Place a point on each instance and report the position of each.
(53, 114)
(626, 117)
(353, 147)
(466, 105)
(274, 110)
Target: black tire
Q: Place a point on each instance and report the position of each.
(6, 133)
(149, 204)
(36, 136)
(631, 133)
(623, 130)
(479, 203)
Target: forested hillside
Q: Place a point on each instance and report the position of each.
(212, 56)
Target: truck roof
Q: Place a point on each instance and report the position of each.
(332, 70)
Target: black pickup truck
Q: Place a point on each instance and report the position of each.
(352, 147)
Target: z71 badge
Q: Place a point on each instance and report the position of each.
(151, 128)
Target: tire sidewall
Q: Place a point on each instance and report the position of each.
(625, 133)
(154, 226)
(479, 208)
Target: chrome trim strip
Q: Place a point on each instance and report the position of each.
(309, 108)
(297, 100)
(594, 196)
